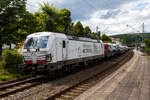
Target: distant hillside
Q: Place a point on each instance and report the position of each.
(131, 34)
(132, 39)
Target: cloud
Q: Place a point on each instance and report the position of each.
(117, 19)
(81, 9)
(111, 16)
(140, 6)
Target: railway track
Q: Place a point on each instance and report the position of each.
(18, 85)
(15, 80)
(21, 84)
(77, 89)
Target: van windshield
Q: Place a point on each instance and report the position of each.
(36, 42)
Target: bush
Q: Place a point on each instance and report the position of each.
(4, 78)
(9, 65)
(11, 58)
(147, 42)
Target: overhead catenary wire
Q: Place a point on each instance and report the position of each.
(86, 1)
(33, 6)
(132, 28)
(97, 10)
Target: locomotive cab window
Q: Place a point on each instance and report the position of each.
(64, 44)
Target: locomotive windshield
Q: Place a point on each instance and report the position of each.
(36, 42)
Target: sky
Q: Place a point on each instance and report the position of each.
(111, 16)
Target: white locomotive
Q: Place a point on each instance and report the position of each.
(49, 51)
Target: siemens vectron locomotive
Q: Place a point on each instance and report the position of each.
(49, 51)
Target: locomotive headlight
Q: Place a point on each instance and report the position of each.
(48, 57)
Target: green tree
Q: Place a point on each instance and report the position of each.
(59, 20)
(25, 26)
(65, 20)
(78, 29)
(87, 31)
(147, 43)
(125, 40)
(10, 13)
(93, 35)
(70, 29)
(41, 20)
(28, 23)
(106, 38)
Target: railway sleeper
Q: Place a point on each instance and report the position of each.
(72, 93)
(59, 99)
(84, 85)
(76, 91)
(68, 97)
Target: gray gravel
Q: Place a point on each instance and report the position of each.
(42, 91)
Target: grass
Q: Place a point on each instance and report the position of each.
(147, 49)
(9, 73)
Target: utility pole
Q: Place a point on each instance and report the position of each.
(136, 44)
(143, 31)
(97, 29)
(143, 28)
(98, 32)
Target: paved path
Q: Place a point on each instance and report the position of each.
(131, 82)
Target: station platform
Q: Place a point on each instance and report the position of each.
(129, 82)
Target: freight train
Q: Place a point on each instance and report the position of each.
(50, 51)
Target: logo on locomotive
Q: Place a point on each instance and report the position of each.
(87, 48)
